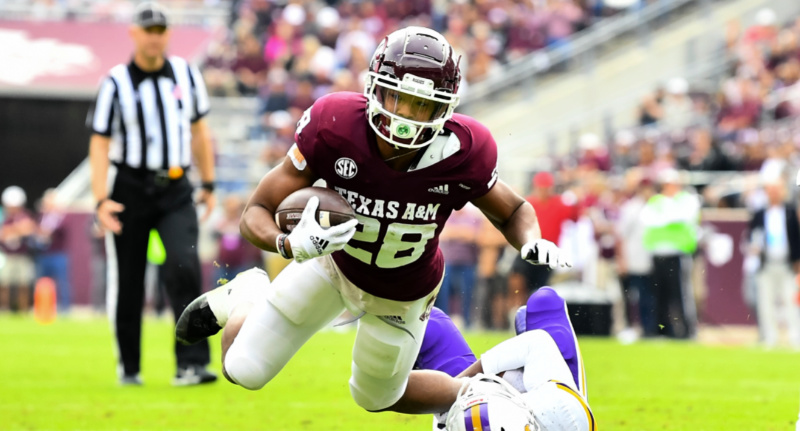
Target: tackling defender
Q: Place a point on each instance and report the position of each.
(543, 384)
(404, 161)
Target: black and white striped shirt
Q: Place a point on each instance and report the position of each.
(148, 115)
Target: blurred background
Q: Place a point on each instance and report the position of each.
(595, 106)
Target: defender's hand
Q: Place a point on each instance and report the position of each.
(309, 240)
(544, 252)
(107, 215)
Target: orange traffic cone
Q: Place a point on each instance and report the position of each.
(44, 301)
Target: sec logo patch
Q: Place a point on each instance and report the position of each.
(346, 168)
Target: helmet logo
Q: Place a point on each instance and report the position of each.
(346, 168)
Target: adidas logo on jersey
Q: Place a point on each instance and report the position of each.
(319, 244)
(442, 190)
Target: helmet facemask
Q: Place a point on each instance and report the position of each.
(489, 402)
(407, 113)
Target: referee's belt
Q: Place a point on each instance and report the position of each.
(159, 177)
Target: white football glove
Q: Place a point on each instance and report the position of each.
(309, 240)
(544, 252)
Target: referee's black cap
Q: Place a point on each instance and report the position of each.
(150, 14)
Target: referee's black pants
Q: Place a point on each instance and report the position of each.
(167, 206)
(676, 312)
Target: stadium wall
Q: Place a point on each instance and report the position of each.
(41, 141)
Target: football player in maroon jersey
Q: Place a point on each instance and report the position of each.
(404, 161)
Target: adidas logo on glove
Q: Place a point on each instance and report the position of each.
(319, 244)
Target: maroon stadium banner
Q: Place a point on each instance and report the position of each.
(724, 275)
(70, 58)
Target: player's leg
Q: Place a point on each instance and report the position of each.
(300, 302)
(546, 310)
(384, 353)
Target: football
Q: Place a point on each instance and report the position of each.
(333, 209)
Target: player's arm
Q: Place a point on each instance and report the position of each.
(258, 221)
(510, 214)
(517, 220)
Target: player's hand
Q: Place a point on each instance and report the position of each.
(209, 200)
(544, 252)
(107, 215)
(309, 240)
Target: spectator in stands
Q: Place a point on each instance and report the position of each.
(459, 244)
(765, 31)
(218, 70)
(740, 106)
(593, 154)
(490, 295)
(705, 154)
(250, 68)
(677, 105)
(52, 259)
(281, 45)
(235, 255)
(672, 220)
(16, 233)
(775, 240)
(651, 110)
(277, 96)
(624, 156)
(563, 18)
(552, 212)
(281, 127)
(634, 262)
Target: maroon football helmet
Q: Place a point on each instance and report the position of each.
(411, 87)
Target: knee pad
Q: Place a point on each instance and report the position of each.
(382, 359)
(374, 394)
(376, 351)
(251, 365)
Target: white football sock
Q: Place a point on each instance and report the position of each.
(246, 288)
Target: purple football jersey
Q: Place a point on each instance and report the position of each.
(443, 347)
(547, 310)
(395, 252)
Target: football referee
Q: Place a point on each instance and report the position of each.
(147, 124)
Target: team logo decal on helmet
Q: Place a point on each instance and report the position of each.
(411, 87)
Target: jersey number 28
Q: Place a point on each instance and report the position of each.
(402, 244)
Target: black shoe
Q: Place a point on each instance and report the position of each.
(193, 375)
(197, 321)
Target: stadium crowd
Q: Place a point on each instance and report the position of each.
(288, 55)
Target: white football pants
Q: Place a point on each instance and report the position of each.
(306, 297)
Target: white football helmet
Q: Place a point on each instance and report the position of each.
(489, 403)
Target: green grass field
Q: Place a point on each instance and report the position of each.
(62, 377)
